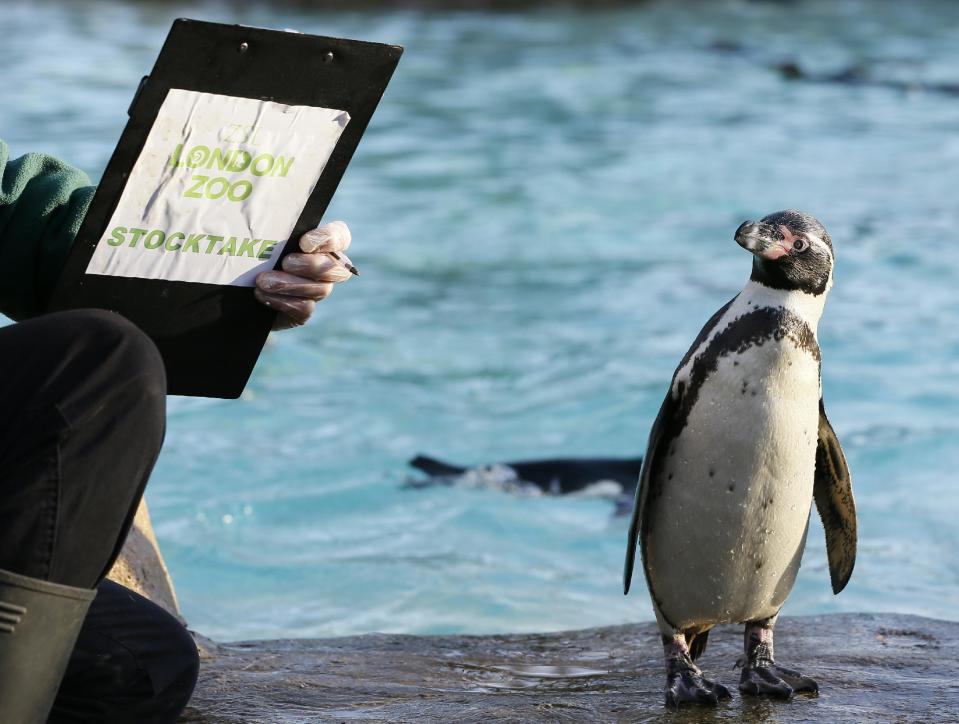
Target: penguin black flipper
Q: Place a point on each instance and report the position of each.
(656, 436)
(833, 494)
(663, 429)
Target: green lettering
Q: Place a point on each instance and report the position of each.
(246, 248)
(266, 249)
(137, 233)
(169, 241)
(283, 165)
(198, 156)
(229, 247)
(213, 241)
(116, 236)
(154, 239)
(229, 136)
(241, 159)
(223, 186)
(258, 169)
(193, 192)
(175, 156)
(240, 190)
(221, 160)
(193, 243)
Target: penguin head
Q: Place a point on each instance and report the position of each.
(791, 250)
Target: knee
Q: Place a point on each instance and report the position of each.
(133, 662)
(110, 340)
(184, 668)
(107, 361)
(163, 672)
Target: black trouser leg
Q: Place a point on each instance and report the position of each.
(82, 396)
(133, 662)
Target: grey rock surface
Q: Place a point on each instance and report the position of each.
(141, 567)
(870, 668)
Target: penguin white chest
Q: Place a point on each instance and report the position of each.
(734, 488)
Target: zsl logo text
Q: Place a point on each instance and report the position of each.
(235, 160)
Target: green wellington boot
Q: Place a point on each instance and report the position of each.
(39, 624)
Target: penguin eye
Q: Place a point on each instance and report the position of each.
(800, 245)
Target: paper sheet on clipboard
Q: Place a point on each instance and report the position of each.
(216, 189)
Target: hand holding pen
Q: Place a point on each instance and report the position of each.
(307, 277)
(331, 239)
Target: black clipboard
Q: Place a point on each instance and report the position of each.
(209, 335)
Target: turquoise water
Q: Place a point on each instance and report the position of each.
(542, 211)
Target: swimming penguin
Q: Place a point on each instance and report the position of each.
(740, 448)
(595, 477)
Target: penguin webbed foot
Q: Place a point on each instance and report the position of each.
(687, 685)
(761, 675)
(769, 679)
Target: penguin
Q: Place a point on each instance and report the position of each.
(739, 450)
(595, 477)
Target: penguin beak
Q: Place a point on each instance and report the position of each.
(763, 240)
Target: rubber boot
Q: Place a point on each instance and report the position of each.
(39, 625)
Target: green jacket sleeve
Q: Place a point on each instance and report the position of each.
(42, 203)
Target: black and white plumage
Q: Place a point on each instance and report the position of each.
(740, 448)
(608, 478)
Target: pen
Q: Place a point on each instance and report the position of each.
(353, 270)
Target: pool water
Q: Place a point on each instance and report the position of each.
(542, 211)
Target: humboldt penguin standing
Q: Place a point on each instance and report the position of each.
(739, 450)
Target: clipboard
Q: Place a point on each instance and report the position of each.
(209, 332)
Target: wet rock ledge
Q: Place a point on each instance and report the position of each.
(870, 668)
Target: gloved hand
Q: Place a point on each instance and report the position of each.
(308, 277)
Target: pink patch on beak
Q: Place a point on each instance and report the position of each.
(774, 253)
(784, 246)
